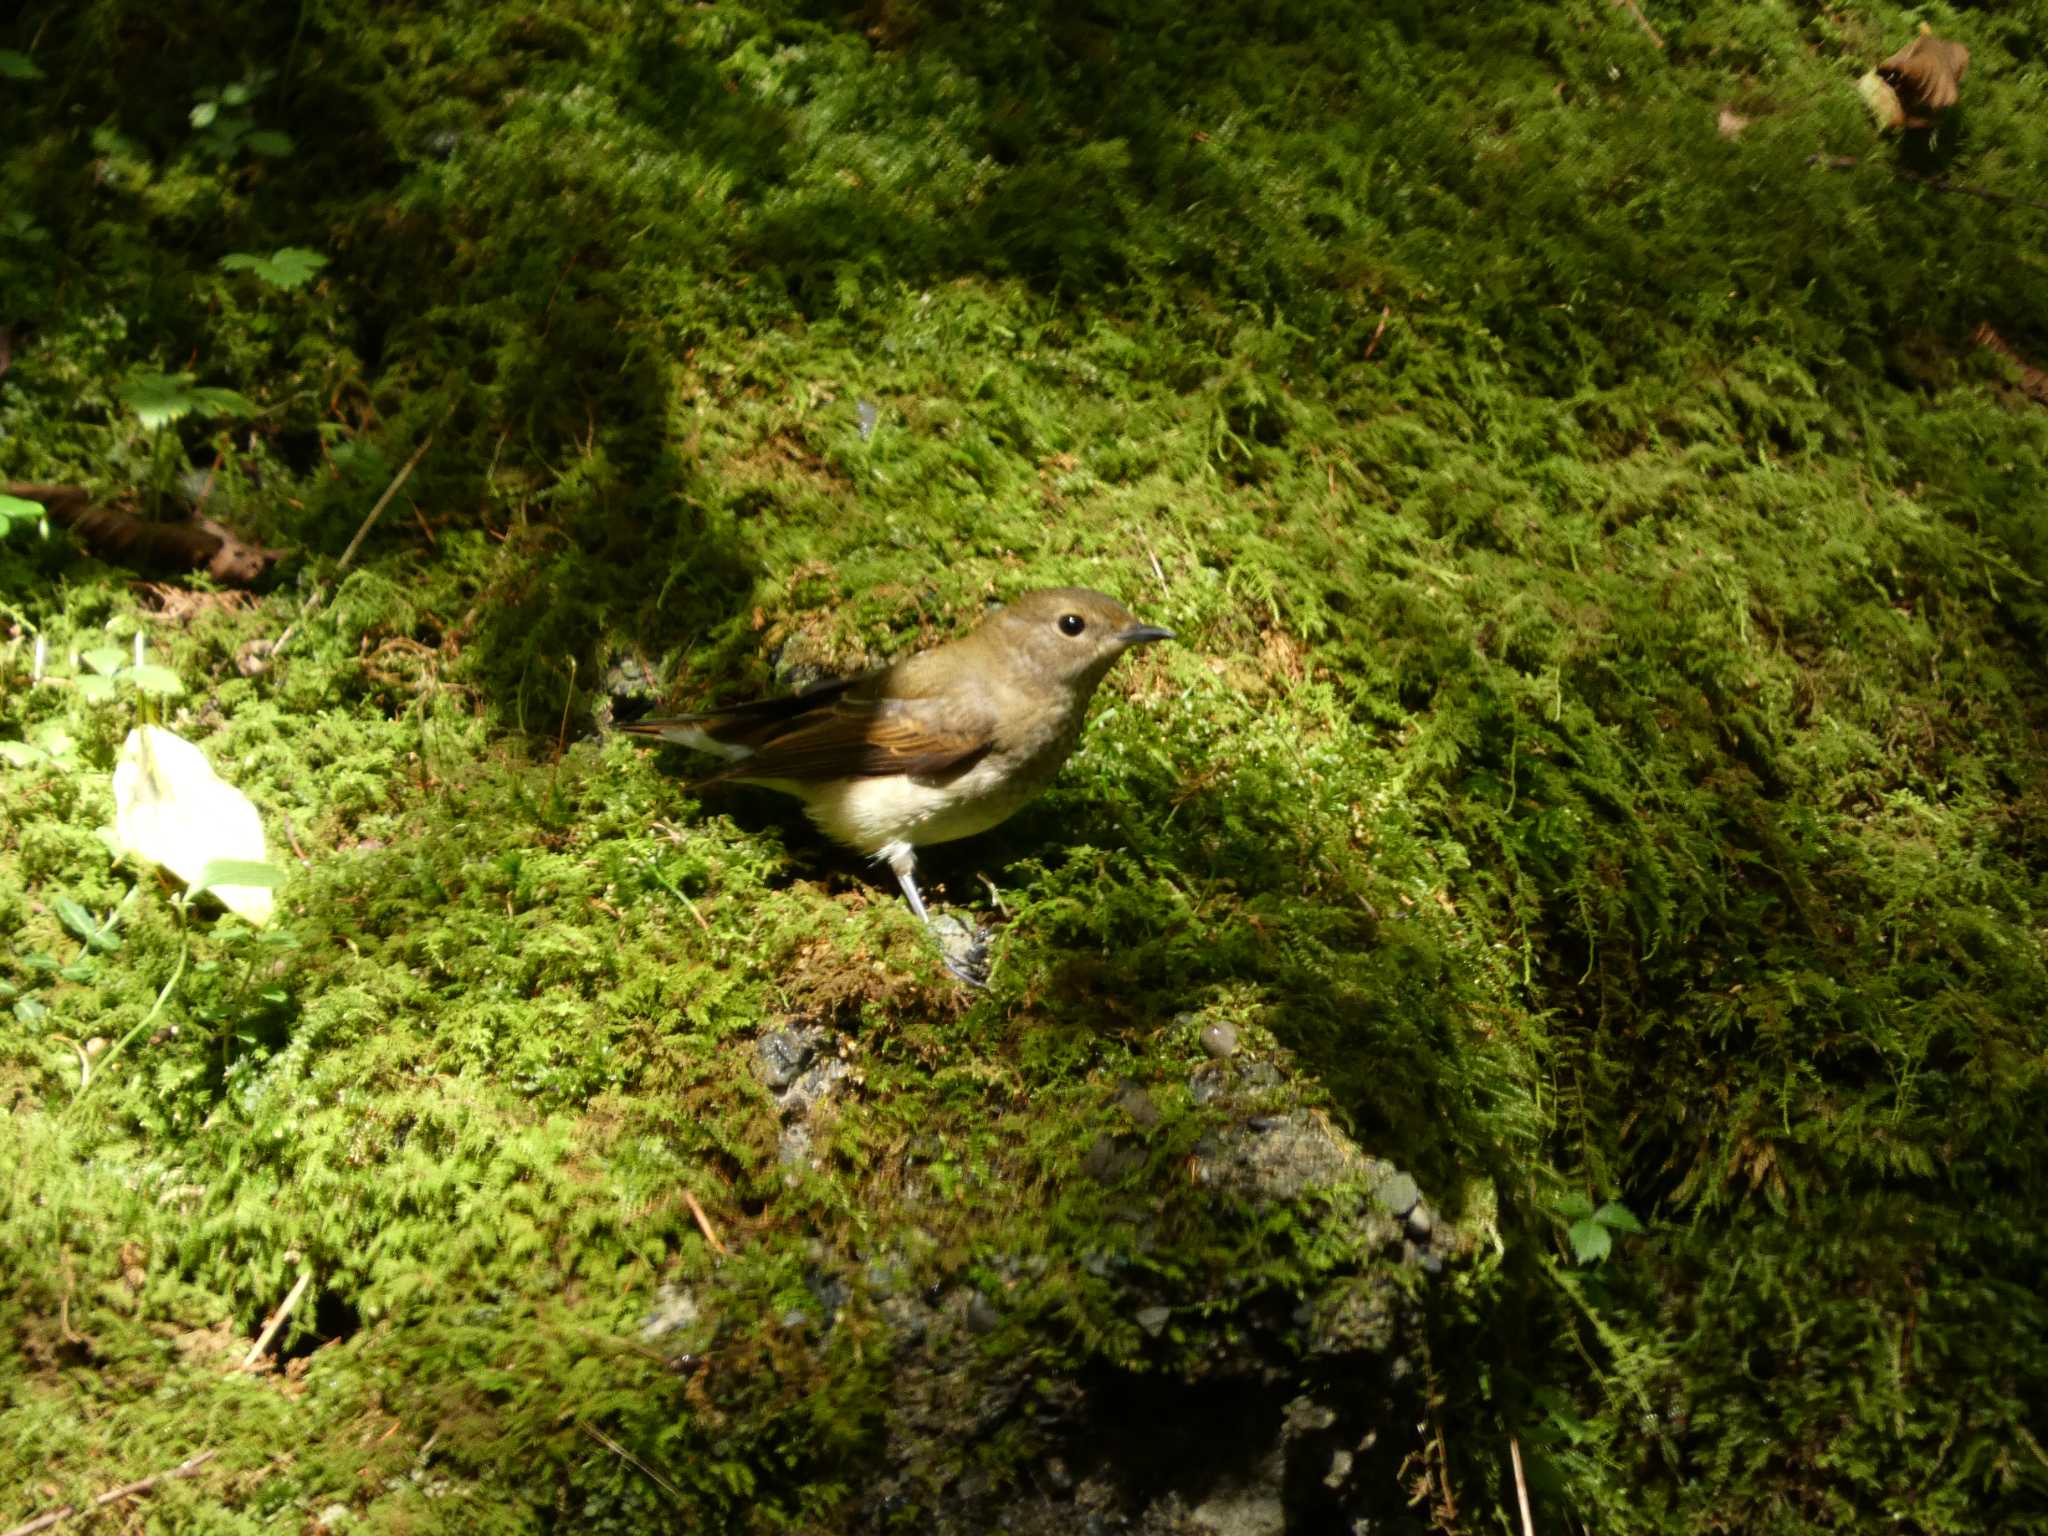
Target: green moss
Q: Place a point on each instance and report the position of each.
(1604, 751)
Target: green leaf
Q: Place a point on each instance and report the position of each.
(1573, 1207)
(53, 738)
(36, 960)
(30, 1010)
(17, 225)
(17, 66)
(204, 114)
(153, 679)
(16, 510)
(238, 872)
(81, 970)
(1617, 1217)
(1591, 1242)
(269, 143)
(19, 754)
(97, 689)
(235, 95)
(106, 659)
(211, 400)
(73, 915)
(291, 267)
(158, 399)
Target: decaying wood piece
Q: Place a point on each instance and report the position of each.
(2033, 380)
(120, 537)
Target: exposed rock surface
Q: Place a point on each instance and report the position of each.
(1249, 1412)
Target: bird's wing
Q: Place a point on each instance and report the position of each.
(742, 728)
(857, 735)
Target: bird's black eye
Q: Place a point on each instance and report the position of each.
(1072, 623)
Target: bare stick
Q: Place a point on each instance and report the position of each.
(391, 490)
(704, 1224)
(113, 1495)
(1521, 1486)
(1158, 573)
(1938, 183)
(1641, 20)
(1378, 331)
(625, 1455)
(313, 603)
(276, 1322)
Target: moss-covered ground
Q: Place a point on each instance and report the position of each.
(1606, 753)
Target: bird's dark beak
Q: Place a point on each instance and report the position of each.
(1144, 634)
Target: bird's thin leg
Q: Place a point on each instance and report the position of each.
(903, 861)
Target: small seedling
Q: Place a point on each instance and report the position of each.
(110, 668)
(1591, 1231)
(17, 513)
(224, 129)
(289, 268)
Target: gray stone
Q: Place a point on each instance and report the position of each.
(1397, 1195)
(1241, 1511)
(1137, 1103)
(1282, 1158)
(1111, 1159)
(784, 1053)
(982, 1316)
(1154, 1319)
(1220, 1039)
(675, 1309)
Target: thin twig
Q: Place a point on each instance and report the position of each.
(562, 736)
(670, 886)
(1641, 20)
(704, 1224)
(1158, 572)
(313, 603)
(1378, 331)
(404, 474)
(1937, 183)
(1521, 1486)
(623, 1454)
(113, 1495)
(276, 1322)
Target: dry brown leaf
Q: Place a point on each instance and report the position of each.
(1926, 74)
(1731, 122)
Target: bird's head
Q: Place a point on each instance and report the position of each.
(1065, 635)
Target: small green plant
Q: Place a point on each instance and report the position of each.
(289, 268)
(109, 669)
(1591, 1230)
(17, 66)
(16, 512)
(16, 225)
(221, 872)
(225, 129)
(158, 399)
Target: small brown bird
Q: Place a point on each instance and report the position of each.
(938, 746)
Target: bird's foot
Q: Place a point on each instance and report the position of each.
(963, 947)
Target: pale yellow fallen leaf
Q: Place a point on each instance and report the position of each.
(172, 809)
